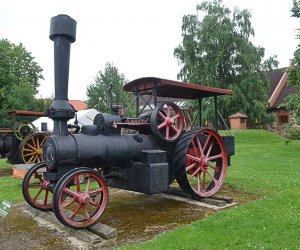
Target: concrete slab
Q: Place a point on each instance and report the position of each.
(93, 235)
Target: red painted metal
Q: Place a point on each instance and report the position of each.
(35, 190)
(26, 113)
(171, 122)
(78, 203)
(174, 89)
(206, 163)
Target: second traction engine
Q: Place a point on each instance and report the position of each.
(73, 181)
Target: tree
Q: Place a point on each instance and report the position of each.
(108, 85)
(216, 51)
(19, 79)
(294, 72)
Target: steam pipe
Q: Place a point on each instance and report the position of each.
(62, 33)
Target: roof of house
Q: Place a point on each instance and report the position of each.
(279, 89)
(78, 105)
(238, 115)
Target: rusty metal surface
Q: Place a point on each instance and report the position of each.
(174, 89)
(25, 113)
(4, 130)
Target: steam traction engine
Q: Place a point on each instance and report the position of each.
(22, 143)
(78, 167)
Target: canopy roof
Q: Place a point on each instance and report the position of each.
(26, 113)
(173, 89)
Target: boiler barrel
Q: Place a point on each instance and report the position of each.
(80, 150)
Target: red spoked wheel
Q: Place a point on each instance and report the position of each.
(34, 188)
(167, 121)
(200, 162)
(77, 204)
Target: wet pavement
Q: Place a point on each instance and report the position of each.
(137, 217)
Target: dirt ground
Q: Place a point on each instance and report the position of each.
(136, 217)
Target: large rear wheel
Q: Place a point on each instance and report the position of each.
(200, 162)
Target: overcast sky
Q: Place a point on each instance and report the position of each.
(137, 36)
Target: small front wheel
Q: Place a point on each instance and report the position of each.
(80, 204)
(34, 188)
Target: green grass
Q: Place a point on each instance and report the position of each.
(10, 188)
(266, 165)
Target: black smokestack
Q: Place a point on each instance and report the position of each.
(62, 33)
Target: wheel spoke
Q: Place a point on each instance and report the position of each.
(35, 158)
(77, 183)
(29, 161)
(168, 110)
(34, 185)
(162, 115)
(210, 147)
(198, 182)
(200, 146)
(44, 139)
(86, 213)
(194, 148)
(40, 158)
(204, 180)
(67, 204)
(75, 212)
(195, 172)
(214, 168)
(193, 158)
(167, 132)
(37, 195)
(211, 176)
(29, 154)
(175, 116)
(88, 185)
(70, 192)
(215, 157)
(162, 125)
(46, 197)
(96, 191)
(38, 176)
(29, 145)
(206, 142)
(191, 166)
(175, 129)
(38, 143)
(95, 204)
(33, 142)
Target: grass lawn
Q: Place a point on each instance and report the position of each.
(265, 164)
(10, 188)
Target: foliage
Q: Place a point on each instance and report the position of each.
(216, 51)
(292, 130)
(264, 164)
(108, 85)
(19, 79)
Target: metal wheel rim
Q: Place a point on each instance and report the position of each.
(80, 205)
(206, 164)
(34, 188)
(19, 126)
(32, 148)
(167, 122)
